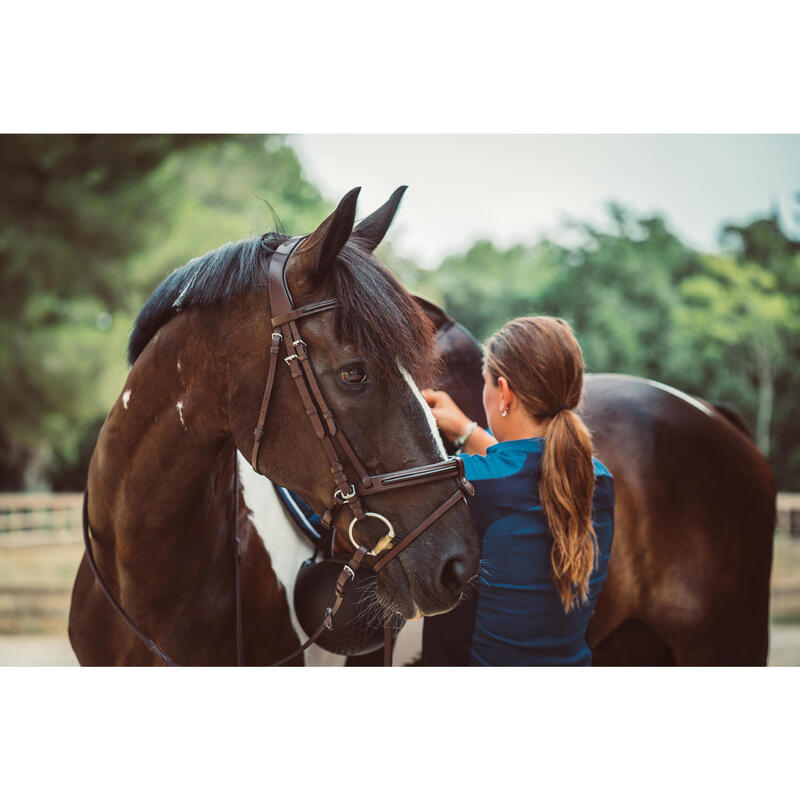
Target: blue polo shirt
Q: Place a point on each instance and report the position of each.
(514, 616)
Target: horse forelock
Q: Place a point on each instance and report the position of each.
(380, 318)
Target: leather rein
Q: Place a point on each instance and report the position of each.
(284, 319)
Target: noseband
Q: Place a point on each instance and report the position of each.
(338, 450)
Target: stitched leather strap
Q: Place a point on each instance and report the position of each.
(303, 311)
(258, 433)
(453, 468)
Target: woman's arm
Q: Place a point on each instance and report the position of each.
(454, 423)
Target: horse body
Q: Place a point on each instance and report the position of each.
(689, 575)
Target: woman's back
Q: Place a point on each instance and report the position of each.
(515, 615)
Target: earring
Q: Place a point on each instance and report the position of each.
(504, 411)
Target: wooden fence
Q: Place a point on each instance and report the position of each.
(40, 519)
(43, 519)
(789, 515)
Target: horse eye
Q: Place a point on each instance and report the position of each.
(353, 375)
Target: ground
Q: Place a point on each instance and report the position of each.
(36, 582)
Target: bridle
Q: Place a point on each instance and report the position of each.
(284, 321)
(334, 441)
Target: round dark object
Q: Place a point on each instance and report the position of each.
(314, 592)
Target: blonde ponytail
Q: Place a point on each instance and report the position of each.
(543, 364)
(565, 492)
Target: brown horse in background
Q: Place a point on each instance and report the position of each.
(689, 575)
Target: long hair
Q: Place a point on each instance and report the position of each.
(543, 364)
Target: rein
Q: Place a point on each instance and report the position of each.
(338, 450)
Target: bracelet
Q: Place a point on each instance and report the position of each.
(462, 440)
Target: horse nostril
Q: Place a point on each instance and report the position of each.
(454, 576)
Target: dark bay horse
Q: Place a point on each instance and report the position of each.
(688, 580)
(161, 482)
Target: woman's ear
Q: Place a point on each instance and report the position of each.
(506, 393)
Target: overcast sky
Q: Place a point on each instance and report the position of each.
(515, 188)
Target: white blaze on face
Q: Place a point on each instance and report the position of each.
(437, 439)
(692, 401)
(126, 396)
(287, 548)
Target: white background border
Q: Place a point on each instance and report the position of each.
(410, 67)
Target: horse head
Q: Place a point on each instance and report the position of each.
(461, 375)
(368, 353)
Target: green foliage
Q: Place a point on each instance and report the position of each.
(89, 225)
(724, 327)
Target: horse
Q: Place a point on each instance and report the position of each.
(689, 575)
(164, 505)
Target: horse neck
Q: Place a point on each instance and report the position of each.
(160, 482)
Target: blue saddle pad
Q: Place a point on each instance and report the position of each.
(307, 521)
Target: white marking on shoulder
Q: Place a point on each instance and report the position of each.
(437, 439)
(287, 549)
(126, 396)
(179, 365)
(179, 406)
(692, 401)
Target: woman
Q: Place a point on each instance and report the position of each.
(544, 508)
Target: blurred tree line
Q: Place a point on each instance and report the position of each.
(90, 224)
(721, 326)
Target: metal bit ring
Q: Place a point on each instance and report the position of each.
(384, 543)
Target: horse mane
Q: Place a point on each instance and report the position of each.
(376, 313)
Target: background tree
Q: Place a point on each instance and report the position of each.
(723, 327)
(88, 226)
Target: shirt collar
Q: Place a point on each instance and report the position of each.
(533, 445)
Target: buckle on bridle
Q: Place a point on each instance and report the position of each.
(345, 498)
(277, 335)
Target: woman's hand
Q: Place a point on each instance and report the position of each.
(452, 421)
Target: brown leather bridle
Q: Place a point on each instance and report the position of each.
(337, 447)
(284, 319)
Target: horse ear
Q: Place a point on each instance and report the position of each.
(371, 230)
(316, 254)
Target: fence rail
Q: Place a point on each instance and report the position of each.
(788, 515)
(40, 519)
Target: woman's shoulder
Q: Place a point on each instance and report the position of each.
(601, 470)
(504, 459)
